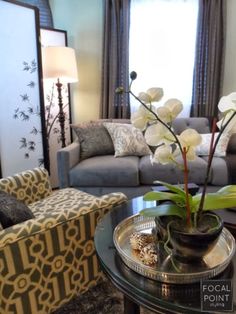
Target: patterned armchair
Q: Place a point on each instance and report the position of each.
(46, 261)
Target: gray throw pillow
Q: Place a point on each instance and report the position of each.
(12, 211)
(94, 139)
(127, 140)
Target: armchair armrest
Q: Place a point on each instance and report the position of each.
(67, 158)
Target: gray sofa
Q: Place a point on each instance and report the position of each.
(135, 175)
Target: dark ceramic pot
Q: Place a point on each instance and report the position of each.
(190, 247)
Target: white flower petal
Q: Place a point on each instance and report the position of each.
(154, 134)
(227, 102)
(190, 137)
(157, 134)
(139, 120)
(144, 97)
(163, 155)
(191, 155)
(232, 124)
(147, 112)
(155, 93)
(175, 106)
(164, 114)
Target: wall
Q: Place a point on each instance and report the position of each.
(229, 82)
(83, 22)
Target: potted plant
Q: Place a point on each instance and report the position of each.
(186, 222)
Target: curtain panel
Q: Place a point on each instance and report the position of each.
(209, 59)
(115, 66)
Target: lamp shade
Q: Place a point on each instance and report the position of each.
(59, 63)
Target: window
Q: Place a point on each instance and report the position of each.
(162, 47)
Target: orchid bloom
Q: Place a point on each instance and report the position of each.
(190, 138)
(142, 116)
(164, 155)
(227, 105)
(157, 134)
(152, 94)
(170, 110)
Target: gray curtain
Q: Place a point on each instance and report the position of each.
(209, 59)
(115, 67)
(45, 14)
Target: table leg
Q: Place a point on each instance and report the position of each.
(130, 307)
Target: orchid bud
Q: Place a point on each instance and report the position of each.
(119, 90)
(133, 75)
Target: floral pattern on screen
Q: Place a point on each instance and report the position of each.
(27, 111)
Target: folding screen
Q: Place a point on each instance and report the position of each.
(55, 37)
(22, 132)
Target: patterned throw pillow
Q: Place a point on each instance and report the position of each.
(204, 147)
(12, 211)
(94, 139)
(127, 140)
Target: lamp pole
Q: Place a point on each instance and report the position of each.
(59, 62)
(61, 115)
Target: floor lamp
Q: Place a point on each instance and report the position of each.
(59, 63)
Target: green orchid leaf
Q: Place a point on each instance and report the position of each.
(227, 189)
(215, 201)
(172, 188)
(164, 196)
(164, 210)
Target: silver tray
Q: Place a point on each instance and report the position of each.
(167, 271)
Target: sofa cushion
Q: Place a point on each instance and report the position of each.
(219, 171)
(127, 140)
(170, 172)
(106, 171)
(12, 211)
(94, 139)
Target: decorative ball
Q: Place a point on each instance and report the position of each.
(138, 240)
(148, 254)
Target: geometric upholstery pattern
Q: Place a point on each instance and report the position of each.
(28, 186)
(70, 198)
(48, 260)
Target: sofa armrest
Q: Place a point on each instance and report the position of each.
(231, 148)
(67, 158)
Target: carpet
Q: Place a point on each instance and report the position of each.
(102, 299)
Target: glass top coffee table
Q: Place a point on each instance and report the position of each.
(137, 289)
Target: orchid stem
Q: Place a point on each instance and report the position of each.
(210, 158)
(188, 211)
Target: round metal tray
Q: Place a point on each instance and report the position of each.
(168, 270)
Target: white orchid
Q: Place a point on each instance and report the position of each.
(231, 127)
(142, 116)
(227, 106)
(165, 155)
(227, 103)
(157, 123)
(190, 139)
(170, 110)
(152, 94)
(157, 134)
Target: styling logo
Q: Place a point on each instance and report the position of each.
(216, 295)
